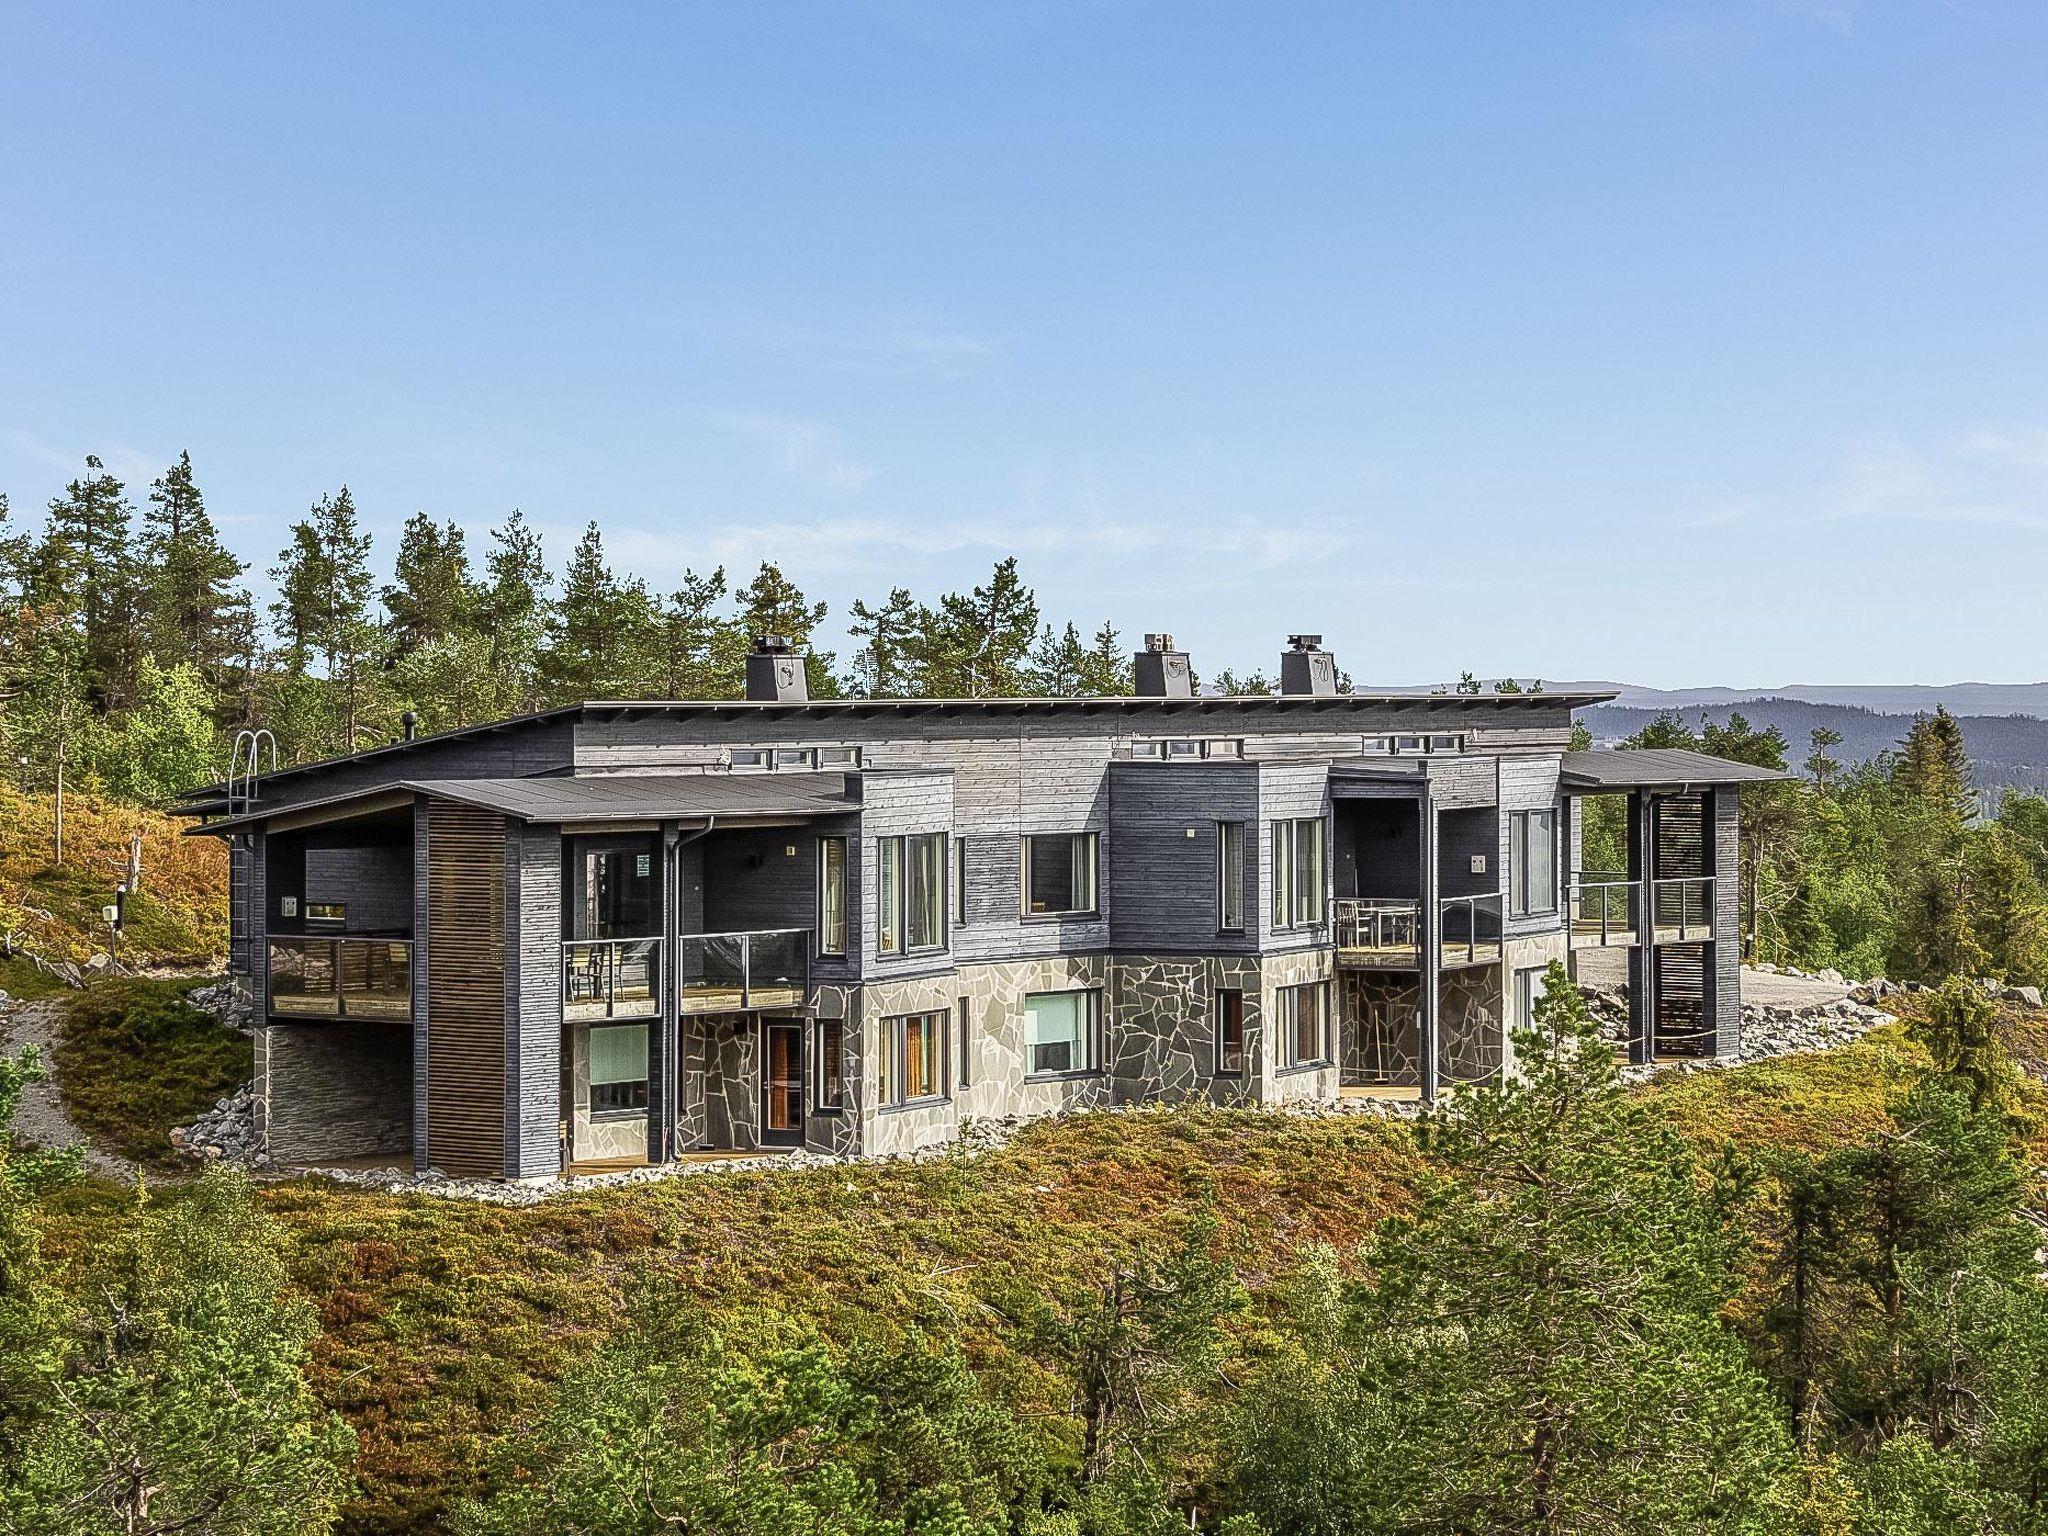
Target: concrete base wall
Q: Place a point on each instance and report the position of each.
(326, 1092)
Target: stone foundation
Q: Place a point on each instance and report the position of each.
(327, 1092)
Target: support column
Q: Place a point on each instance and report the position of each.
(664, 1046)
(1642, 956)
(1430, 922)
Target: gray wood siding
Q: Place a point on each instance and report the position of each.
(1161, 886)
(1287, 791)
(1529, 782)
(1724, 955)
(375, 882)
(898, 805)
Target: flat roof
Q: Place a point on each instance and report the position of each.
(1658, 768)
(1225, 705)
(608, 797)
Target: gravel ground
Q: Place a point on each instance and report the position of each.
(41, 1118)
(1789, 991)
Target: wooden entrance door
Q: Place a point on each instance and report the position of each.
(782, 1083)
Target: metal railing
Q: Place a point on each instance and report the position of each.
(1682, 909)
(1469, 930)
(611, 978)
(341, 978)
(762, 968)
(1603, 908)
(1381, 924)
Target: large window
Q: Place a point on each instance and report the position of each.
(910, 890)
(832, 895)
(1302, 1023)
(1229, 1032)
(618, 1069)
(1060, 1032)
(1230, 876)
(1532, 872)
(614, 894)
(828, 1070)
(913, 1059)
(1298, 872)
(1059, 874)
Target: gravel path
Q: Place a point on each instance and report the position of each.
(1790, 991)
(41, 1118)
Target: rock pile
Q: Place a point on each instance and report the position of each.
(224, 1134)
(227, 1001)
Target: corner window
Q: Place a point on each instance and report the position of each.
(1061, 1031)
(832, 895)
(1532, 867)
(1059, 874)
(828, 1068)
(1229, 1032)
(910, 892)
(1230, 876)
(1302, 1024)
(618, 1069)
(912, 1067)
(1298, 872)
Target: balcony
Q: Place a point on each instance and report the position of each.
(1604, 909)
(1607, 910)
(1470, 930)
(733, 972)
(1375, 932)
(611, 979)
(341, 978)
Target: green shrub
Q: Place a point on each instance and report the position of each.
(136, 1059)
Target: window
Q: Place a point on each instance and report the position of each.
(618, 1069)
(828, 1071)
(839, 757)
(910, 892)
(327, 912)
(614, 894)
(1528, 993)
(794, 757)
(1298, 860)
(913, 1059)
(1187, 748)
(1229, 1032)
(1059, 874)
(832, 895)
(746, 758)
(1060, 1030)
(1415, 746)
(966, 1046)
(1230, 876)
(1301, 1024)
(959, 882)
(1532, 870)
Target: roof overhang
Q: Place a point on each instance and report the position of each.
(1673, 769)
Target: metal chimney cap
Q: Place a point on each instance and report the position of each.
(773, 645)
(1160, 642)
(1304, 642)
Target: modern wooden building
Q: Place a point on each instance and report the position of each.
(632, 931)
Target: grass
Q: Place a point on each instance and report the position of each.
(135, 1059)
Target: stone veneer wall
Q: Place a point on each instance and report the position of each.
(598, 1138)
(1471, 1033)
(1162, 1044)
(332, 1091)
(1379, 1028)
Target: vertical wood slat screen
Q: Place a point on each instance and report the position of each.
(465, 990)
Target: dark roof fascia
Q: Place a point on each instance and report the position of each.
(1617, 769)
(735, 710)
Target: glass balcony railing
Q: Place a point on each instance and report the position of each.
(1605, 909)
(611, 979)
(726, 972)
(1469, 933)
(341, 978)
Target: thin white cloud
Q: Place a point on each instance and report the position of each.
(892, 345)
(1987, 477)
(809, 451)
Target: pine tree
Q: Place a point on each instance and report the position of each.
(978, 644)
(191, 590)
(1107, 671)
(885, 667)
(599, 636)
(702, 652)
(85, 568)
(771, 604)
(432, 597)
(514, 614)
(323, 609)
(1060, 664)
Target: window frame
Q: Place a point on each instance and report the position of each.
(958, 882)
(1287, 1009)
(828, 1066)
(1218, 1066)
(892, 895)
(1090, 1037)
(893, 1077)
(1529, 990)
(1519, 823)
(825, 883)
(1297, 907)
(1092, 842)
(1230, 903)
(645, 1082)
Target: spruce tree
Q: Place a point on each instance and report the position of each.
(85, 568)
(513, 613)
(192, 590)
(432, 597)
(322, 611)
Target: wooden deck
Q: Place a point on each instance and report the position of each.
(733, 1000)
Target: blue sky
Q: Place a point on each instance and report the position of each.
(1677, 343)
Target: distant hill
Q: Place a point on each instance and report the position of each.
(2007, 750)
(1882, 698)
